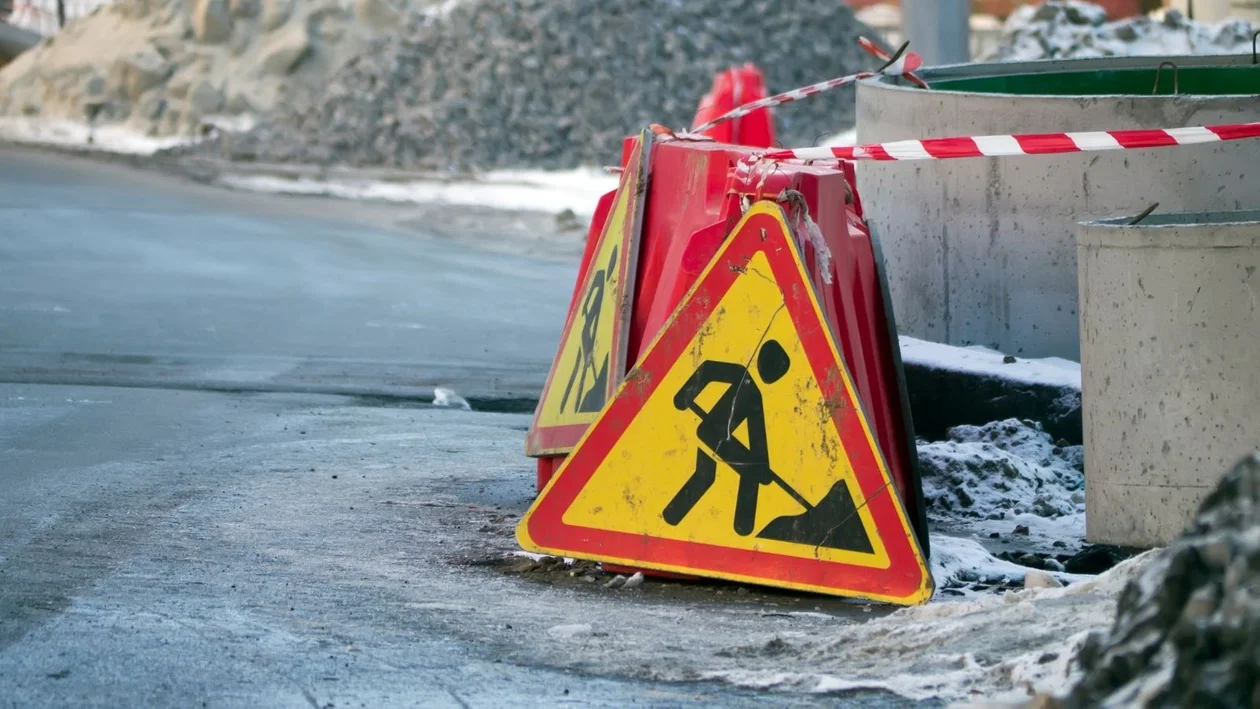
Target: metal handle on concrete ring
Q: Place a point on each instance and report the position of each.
(1143, 214)
(1176, 77)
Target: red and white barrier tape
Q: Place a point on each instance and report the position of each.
(1030, 144)
(901, 65)
(908, 73)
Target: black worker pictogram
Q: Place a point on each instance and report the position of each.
(592, 401)
(833, 522)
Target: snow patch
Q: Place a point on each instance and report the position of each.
(80, 136)
(529, 555)
(958, 562)
(439, 11)
(1040, 579)
(539, 557)
(1050, 371)
(841, 140)
(449, 399)
(569, 631)
(538, 191)
(231, 124)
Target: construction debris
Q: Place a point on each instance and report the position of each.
(556, 84)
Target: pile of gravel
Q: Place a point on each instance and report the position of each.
(556, 83)
(1068, 29)
(1187, 630)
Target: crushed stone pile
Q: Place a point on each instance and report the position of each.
(173, 67)
(1187, 629)
(556, 83)
(1069, 29)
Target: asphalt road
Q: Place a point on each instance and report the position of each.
(111, 275)
(221, 484)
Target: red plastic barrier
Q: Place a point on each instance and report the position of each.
(858, 308)
(731, 89)
(693, 202)
(547, 466)
(688, 214)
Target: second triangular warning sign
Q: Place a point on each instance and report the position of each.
(592, 355)
(736, 448)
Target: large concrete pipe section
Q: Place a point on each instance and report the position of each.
(983, 251)
(1170, 366)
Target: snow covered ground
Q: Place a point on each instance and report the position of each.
(994, 647)
(981, 646)
(977, 359)
(519, 190)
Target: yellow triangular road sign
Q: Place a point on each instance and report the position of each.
(736, 447)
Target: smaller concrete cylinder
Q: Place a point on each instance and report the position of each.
(1170, 366)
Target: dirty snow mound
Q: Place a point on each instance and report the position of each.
(557, 83)
(1003, 475)
(1187, 629)
(174, 67)
(1069, 29)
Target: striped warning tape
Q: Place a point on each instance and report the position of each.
(873, 49)
(1030, 144)
(900, 64)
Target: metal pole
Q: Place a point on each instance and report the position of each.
(939, 30)
(61, 13)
